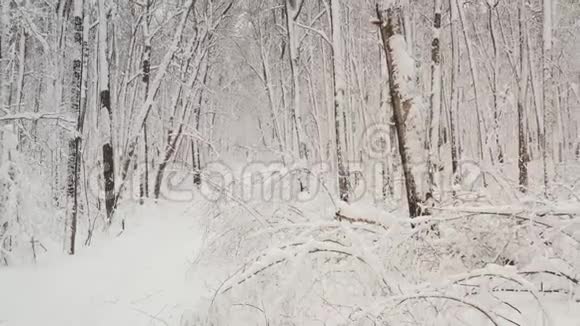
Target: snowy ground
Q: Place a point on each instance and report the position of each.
(151, 274)
(143, 277)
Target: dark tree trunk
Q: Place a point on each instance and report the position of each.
(523, 156)
(169, 151)
(105, 97)
(109, 179)
(144, 187)
(75, 142)
(195, 152)
(432, 139)
(339, 77)
(455, 150)
(195, 164)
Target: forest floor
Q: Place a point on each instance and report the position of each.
(144, 276)
(151, 274)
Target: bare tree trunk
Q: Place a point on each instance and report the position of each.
(432, 140)
(329, 106)
(491, 7)
(173, 137)
(390, 30)
(558, 122)
(387, 167)
(196, 163)
(5, 41)
(522, 137)
(339, 78)
(21, 69)
(170, 150)
(21, 58)
(74, 142)
(546, 91)
(533, 83)
(107, 111)
(454, 99)
(265, 77)
(7, 148)
(146, 67)
(292, 12)
(473, 70)
(195, 145)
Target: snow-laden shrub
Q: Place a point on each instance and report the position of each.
(29, 226)
(290, 262)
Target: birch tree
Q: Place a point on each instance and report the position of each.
(339, 76)
(5, 44)
(522, 80)
(293, 9)
(146, 70)
(401, 102)
(474, 79)
(547, 92)
(75, 141)
(491, 7)
(432, 139)
(106, 112)
(453, 101)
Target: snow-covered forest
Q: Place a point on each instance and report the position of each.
(289, 162)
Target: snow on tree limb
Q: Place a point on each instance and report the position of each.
(32, 116)
(404, 67)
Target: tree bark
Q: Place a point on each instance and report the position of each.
(74, 142)
(339, 78)
(5, 42)
(390, 29)
(195, 144)
(432, 139)
(522, 137)
(494, 87)
(146, 70)
(454, 97)
(106, 109)
(546, 93)
(474, 78)
(292, 12)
